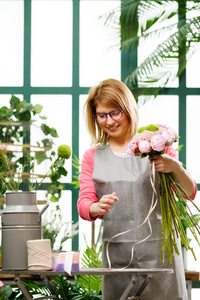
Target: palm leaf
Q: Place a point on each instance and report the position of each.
(162, 65)
(143, 20)
(91, 259)
(64, 288)
(32, 288)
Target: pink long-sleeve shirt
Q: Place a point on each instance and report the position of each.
(88, 195)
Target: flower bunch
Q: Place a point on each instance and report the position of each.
(151, 140)
(154, 139)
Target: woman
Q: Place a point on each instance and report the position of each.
(116, 187)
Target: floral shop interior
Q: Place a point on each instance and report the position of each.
(52, 53)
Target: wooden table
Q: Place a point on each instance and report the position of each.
(192, 281)
(16, 275)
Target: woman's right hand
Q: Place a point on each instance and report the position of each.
(104, 205)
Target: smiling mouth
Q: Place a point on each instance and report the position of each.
(113, 128)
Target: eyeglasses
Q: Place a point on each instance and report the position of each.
(115, 115)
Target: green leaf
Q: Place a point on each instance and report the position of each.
(38, 108)
(54, 198)
(62, 171)
(40, 157)
(24, 116)
(5, 292)
(47, 143)
(47, 130)
(14, 101)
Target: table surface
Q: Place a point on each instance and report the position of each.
(90, 271)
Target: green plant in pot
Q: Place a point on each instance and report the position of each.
(18, 128)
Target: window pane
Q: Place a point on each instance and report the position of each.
(193, 71)
(11, 39)
(99, 59)
(193, 143)
(84, 137)
(162, 110)
(58, 110)
(51, 52)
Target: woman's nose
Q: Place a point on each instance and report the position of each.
(109, 120)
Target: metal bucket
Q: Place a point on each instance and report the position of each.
(21, 221)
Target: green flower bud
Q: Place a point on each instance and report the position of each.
(64, 151)
(141, 129)
(152, 127)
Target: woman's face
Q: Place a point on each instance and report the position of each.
(115, 128)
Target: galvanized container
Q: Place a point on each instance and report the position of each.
(21, 221)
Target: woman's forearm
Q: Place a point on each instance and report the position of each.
(184, 179)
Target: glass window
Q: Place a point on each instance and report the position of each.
(162, 110)
(12, 43)
(99, 56)
(51, 43)
(84, 139)
(193, 71)
(193, 142)
(58, 110)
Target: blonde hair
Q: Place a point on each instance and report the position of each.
(110, 92)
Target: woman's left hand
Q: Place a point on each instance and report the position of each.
(165, 163)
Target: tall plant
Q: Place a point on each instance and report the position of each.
(140, 20)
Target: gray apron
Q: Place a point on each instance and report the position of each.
(129, 177)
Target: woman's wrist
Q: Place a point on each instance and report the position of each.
(94, 209)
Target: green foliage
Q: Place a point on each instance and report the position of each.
(15, 128)
(187, 223)
(92, 258)
(146, 20)
(63, 288)
(5, 292)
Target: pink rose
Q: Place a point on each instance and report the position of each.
(137, 137)
(170, 151)
(174, 133)
(158, 142)
(133, 145)
(147, 135)
(144, 147)
(161, 128)
(169, 137)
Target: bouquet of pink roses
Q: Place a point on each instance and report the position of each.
(150, 140)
